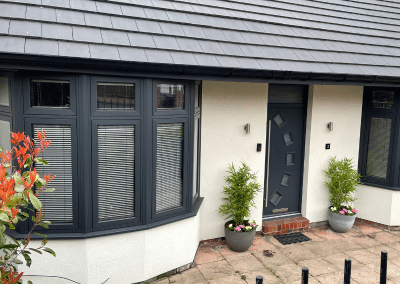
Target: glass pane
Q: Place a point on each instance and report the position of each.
(285, 179)
(116, 160)
(48, 93)
(196, 94)
(284, 94)
(378, 147)
(169, 172)
(288, 138)
(279, 120)
(289, 159)
(112, 96)
(4, 91)
(196, 137)
(382, 99)
(5, 128)
(57, 205)
(170, 96)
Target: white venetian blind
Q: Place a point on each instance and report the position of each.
(116, 172)
(57, 205)
(169, 166)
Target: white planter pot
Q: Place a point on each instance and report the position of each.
(340, 223)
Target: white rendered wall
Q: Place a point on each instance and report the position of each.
(341, 105)
(123, 258)
(226, 108)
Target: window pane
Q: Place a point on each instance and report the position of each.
(195, 155)
(382, 99)
(5, 128)
(49, 93)
(4, 91)
(170, 96)
(285, 94)
(378, 147)
(112, 96)
(169, 175)
(57, 205)
(116, 172)
(196, 94)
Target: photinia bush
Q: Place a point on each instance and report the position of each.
(20, 185)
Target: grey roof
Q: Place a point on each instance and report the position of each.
(359, 37)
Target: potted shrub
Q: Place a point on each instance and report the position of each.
(239, 197)
(342, 182)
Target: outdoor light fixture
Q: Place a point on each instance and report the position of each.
(247, 128)
(330, 126)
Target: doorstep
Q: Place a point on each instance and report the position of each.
(285, 226)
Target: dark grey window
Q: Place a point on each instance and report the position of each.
(125, 151)
(379, 137)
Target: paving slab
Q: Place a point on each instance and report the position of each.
(351, 233)
(260, 244)
(231, 279)
(365, 229)
(338, 260)
(318, 266)
(207, 255)
(363, 256)
(364, 274)
(322, 248)
(190, 276)
(313, 237)
(392, 252)
(277, 259)
(385, 238)
(298, 253)
(225, 251)
(333, 278)
(326, 234)
(393, 271)
(216, 270)
(288, 272)
(245, 263)
(365, 241)
(268, 277)
(345, 245)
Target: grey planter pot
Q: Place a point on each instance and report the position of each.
(239, 241)
(340, 223)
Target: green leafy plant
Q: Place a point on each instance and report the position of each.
(342, 184)
(20, 185)
(239, 197)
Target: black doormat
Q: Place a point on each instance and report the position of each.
(292, 238)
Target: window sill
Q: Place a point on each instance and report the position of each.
(369, 183)
(60, 236)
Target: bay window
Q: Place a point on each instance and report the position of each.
(125, 151)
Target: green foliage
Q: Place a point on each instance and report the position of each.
(342, 182)
(239, 194)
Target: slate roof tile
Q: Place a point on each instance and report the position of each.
(121, 23)
(142, 40)
(194, 31)
(12, 44)
(285, 65)
(189, 44)
(269, 52)
(248, 63)
(162, 4)
(41, 14)
(202, 9)
(41, 46)
(13, 11)
(319, 67)
(252, 38)
(70, 17)
(199, 19)
(87, 34)
(115, 37)
(73, 49)
(109, 8)
(207, 60)
(4, 26)
(228, 61)
(57, 31)
(166, 42)
(210, 47)
(233, 36)
(172, 29)
(35, 2)
(159, 56)
(98, 20)
(286, 41)
(250, 50)
(231, 49)
(177, 17)
(214, 34)
(267, 64)
(25, 28)
(254, 26)
(148, 26)
(183, 58)
(132, 54)
(303, 55)
(84, 5)
(156, 14)
(183, 6)
(133, 11)
(101, 51)
(56, 3)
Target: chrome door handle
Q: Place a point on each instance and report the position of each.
(268, 154)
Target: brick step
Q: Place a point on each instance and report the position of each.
(285, 226)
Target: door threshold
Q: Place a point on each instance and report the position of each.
(281, 216)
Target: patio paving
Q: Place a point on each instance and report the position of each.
(324, 255)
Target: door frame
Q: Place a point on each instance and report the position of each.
(305, 106)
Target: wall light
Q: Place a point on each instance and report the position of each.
(330, 126)
(247, 128)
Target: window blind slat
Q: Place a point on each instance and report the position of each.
(57, 205)
(169, 175)
(116, 172)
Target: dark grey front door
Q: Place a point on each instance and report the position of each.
(284, 160)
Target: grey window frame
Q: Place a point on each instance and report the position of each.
(117, 113)
(392, 180)
(48, 110)
(75, 226)
(187, 99)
